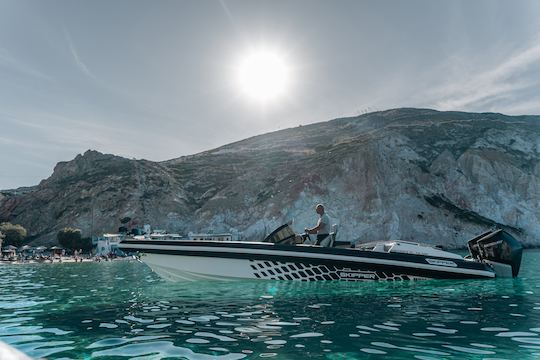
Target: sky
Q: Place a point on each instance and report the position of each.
(158, 79)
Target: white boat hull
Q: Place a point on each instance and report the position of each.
(189, 268)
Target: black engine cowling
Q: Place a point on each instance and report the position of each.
(498, 248)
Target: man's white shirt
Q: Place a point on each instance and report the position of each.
(325, 228)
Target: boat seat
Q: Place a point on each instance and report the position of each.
(327, 242)
(330, 241)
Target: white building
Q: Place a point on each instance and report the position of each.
(159, 236)
(108, 244)
(147, 229)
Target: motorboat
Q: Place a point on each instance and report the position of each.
(284, 255)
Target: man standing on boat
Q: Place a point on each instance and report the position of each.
(322, 229)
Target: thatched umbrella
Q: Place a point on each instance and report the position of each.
(25, 249)
(10, 250)
(57, 250)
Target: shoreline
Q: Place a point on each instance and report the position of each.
(64, 260)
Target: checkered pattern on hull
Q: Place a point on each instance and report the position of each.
(307, 272)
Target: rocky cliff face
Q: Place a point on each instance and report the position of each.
(413, 174)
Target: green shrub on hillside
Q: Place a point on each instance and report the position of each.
(69, 238)
(14, 234)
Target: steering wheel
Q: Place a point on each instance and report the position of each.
(307, 238)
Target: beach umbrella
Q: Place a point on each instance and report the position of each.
(10, 247)
(41, 248)
(26, 247)
(57, 248)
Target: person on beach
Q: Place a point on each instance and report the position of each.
(322, 229)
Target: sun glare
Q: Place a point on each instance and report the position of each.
(263, 75)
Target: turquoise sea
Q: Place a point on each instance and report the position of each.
(123, 310)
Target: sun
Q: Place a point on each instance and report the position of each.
(263, 75)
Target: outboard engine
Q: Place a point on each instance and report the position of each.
(498, 249)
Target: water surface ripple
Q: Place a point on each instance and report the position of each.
(122, 310)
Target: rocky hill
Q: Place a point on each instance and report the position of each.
(413, 174)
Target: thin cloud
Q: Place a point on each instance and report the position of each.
(78, 61)
(8, 61)
(227, 11)
(492, 85)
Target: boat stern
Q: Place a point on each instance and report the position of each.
(500, 250)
